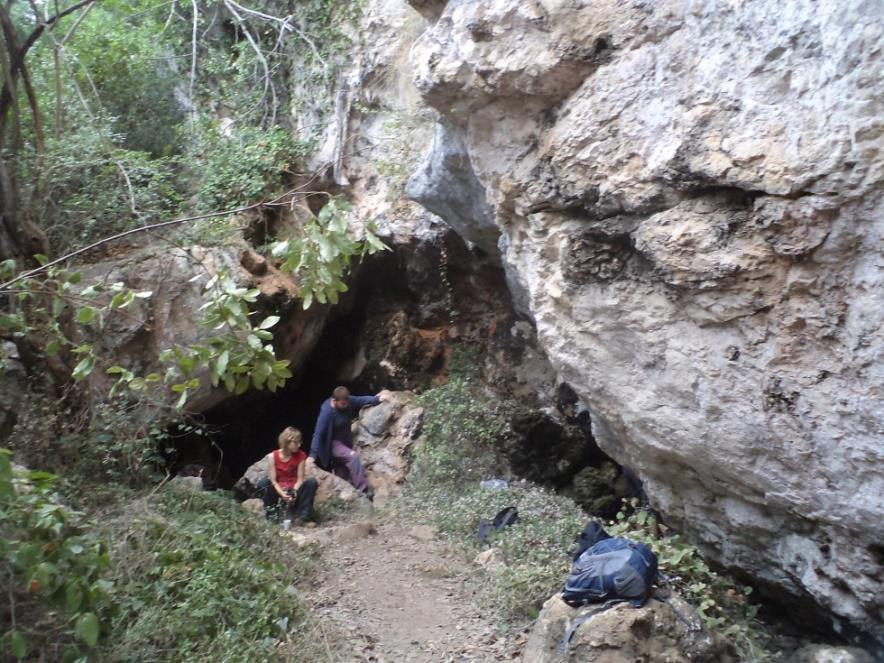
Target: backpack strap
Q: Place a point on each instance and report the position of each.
(666, 580)
(579, 620)
(678, 613)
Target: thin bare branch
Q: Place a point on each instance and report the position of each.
(193, 41)
(268, 82)
(169, 19)
(70, 33)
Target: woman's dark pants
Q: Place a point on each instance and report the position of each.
(300, 508)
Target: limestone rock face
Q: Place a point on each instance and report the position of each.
(690, 194)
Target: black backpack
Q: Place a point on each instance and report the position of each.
(504, 518)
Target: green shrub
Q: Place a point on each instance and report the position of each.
(458, 449)
(199, 579)
(52, 566)
(242, 165)
(95, 188)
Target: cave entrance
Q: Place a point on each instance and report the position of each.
(228, 438)
(233, 435)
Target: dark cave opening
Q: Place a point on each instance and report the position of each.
(396, 300)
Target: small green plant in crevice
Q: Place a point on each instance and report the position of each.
(721, 603)
(53, 568)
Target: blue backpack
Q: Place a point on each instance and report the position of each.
(610, 568)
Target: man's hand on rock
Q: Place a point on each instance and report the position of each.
(384, 395)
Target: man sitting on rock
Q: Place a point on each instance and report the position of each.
(332, 444)
(285, 478)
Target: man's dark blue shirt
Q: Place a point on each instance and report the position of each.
(333, 424)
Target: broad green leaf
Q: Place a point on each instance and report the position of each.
(86, 315)
(19, 646)
(84, 368)
(221, 363)
(269, 322)
(40, 258)
(7, 267)
(279, 249)
(52, 348)
(87, 629)
(73, 596)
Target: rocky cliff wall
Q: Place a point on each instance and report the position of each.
(687, 198)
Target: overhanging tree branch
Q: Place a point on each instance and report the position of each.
(132, 231)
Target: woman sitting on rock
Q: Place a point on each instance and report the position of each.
(285, 478)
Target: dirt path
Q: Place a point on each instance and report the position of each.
(401, 595)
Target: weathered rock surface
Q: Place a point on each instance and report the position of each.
(690, 196)
(171, 316)
(621, 634)
(384, 436)
(345, 533)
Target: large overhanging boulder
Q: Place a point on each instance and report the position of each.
(690, 194)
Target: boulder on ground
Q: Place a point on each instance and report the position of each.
(254, 506)
(192, 484)
(657, 631)
(330, 486)
(321, 536)
(383, 437)
(491, 559)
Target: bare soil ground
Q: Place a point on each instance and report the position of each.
(402, 595)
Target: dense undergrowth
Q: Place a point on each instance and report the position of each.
(163, 576)
(460, 447)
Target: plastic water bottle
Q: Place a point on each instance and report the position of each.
(493, 484)
(286, 525)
